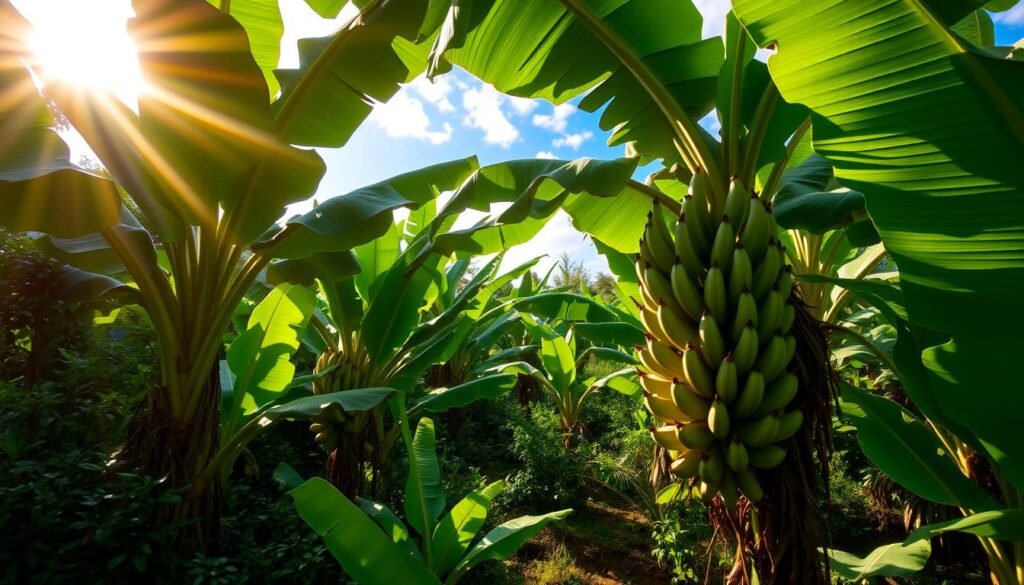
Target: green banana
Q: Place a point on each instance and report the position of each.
(741, 276)
(737, 200)
(708, 491)
(723, 245)
(659, 241)
(684, 236)
(746, 480)
(779, 394)
(736, 456)
(718, 419)
(711, 467)
(696, 435)
(751, 395)
(730, 495)
(690, 403)
(789, 424)
(716, 297)
(772, 362)
(699, 205)
(678, 329)
(746, 312)
(712, 343)
(766, 457)
(769, 317)
(687, 464)
(686, 293)
(745, 352)
(785, 282)
(788, 316)
(696, 373)
(727, 380)
(755, 230)
(661, 289)
(766, 273)
(687, 255)
(652, 325)
(666, 358)
(759, 432)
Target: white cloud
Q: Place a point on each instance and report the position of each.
(483, 106)
(573, 141)
(546, 154)
(557, 120)
(714, 12)
(403, 116)
(1012, 17)
(522, 106)
(435, 92)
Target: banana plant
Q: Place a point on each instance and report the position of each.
(194, 182)
(557, 375)
(375, 547)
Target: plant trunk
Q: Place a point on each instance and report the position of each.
(178, 451)
(358, 451)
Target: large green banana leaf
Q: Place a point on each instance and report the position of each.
(424, 497)
(262, 23)
(459, 526)
(931, 130)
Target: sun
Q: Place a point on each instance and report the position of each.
(85, 43)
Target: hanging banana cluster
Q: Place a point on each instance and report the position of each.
(717, 312)
(346, 376)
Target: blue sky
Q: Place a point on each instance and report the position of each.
(454, 117)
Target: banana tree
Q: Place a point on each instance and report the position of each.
(557, 375)
(375, 547)
(647, 67)
(193, 185)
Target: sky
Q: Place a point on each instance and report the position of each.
(425, 123)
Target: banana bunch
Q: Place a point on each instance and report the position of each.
(327, 426)
(716, 308)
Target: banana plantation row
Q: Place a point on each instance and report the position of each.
(757, 293)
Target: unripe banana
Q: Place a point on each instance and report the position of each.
(711, 467)
(789, 424)
(694, 238)
(696, 373)
(755, 231)
(678, 329)
(778, 395)
(785, 281)
(656, 385)
(746, 480)
(723, 245)
(741, 276)
(696, 435)
(662, 359)
(730, 494)
(765, 273)
(687, 254)
(693, 405)
(758, 432)
(737, 200)
(718, 419)
(750, 397)
(788, 316)
(651, 325)
(686, 293)
(745, 352)
(659, 240)
(708, 491)
(698, 206)
(716, 297)
(663, 409)
(712, 343)
(769, 316)
(790, 349)
(772, 362)
(686, 465)
(746, 312)
(661, 289)
(649, 301)
(766, 457)
(727, 381)
(645, 253)
(668, 437)
(736, 456)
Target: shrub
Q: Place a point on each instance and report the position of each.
(550, 475)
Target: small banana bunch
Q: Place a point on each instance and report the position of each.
(717, 313)
(328, 425)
